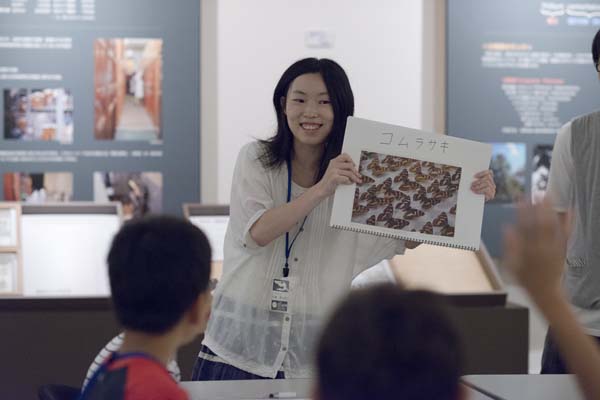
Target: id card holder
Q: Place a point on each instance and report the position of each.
(280, 295)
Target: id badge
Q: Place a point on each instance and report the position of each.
(280, 294)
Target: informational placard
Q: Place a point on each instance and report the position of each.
(516, 72)
(415, 185)
(100, 102)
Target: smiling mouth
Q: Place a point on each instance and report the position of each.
(310, 126)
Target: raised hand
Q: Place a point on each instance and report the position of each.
(534, 250)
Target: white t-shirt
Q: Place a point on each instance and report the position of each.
(561, 192)
(242, 330)
(112, 347)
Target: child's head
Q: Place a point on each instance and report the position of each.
(159, 270)
(386, 343)
(596, 51)
(311, 90)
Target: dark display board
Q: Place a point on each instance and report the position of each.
(99, 100)
(516, 72)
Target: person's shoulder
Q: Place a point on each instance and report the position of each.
(253, 154)
(147, 379)
(254, 147)
(251, 151)
(585, 119)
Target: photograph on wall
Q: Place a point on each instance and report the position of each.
(508, 165)
(128, 89)
(38, 115)
(140, 193)
(9, 273)
(406, 194)
(542, 156)
(38, 187)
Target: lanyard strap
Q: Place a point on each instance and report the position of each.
(288, 246)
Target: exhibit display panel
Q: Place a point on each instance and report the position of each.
(213, 220)
(63, 249)
(516, 72)
(100, 102)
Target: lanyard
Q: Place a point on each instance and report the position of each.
(288, 246)
(104, 367)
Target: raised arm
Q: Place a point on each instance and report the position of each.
(278, 220)
(534, 251)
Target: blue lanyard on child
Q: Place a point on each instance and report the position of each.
(113, 357)
(288, 246)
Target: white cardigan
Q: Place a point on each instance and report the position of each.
(242, 330)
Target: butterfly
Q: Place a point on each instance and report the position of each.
(386, 214)
(434, 171)
(447, 231)
(372, 220)
(396, 223)
(413, 213)
(403, 205)
(365, 179)
(379, 170)
(446, 180)
(421, 177)
(408, 186)
(359, 210)
(456, 175)
(390, 159)
(442, 194)
(440, 220)
(427, 228)
(434, 187)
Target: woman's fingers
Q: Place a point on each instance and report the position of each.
(351, 175)
(347, 164)
(484, 184)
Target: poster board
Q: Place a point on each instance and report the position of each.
(416, 185)
(515, 74)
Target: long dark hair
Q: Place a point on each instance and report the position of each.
(280, 147)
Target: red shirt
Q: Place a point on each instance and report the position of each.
(134, 377)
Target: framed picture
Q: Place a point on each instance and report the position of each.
(9, 226)
(10, 274)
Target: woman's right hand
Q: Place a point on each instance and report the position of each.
(341, 171)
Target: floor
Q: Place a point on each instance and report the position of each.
(135, 122)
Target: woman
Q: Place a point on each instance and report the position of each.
(279, 227)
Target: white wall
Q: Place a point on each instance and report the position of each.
(378, 42)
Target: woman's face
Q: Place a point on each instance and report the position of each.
(308, 110)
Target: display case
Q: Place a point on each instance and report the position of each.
(10, 249)
(213, 220)
(57, 250)
(467, 277)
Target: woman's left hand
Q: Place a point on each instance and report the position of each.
(484, 184)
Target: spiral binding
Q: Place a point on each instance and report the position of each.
(397, 236)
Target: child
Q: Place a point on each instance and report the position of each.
(159, 269)
(385, 343)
